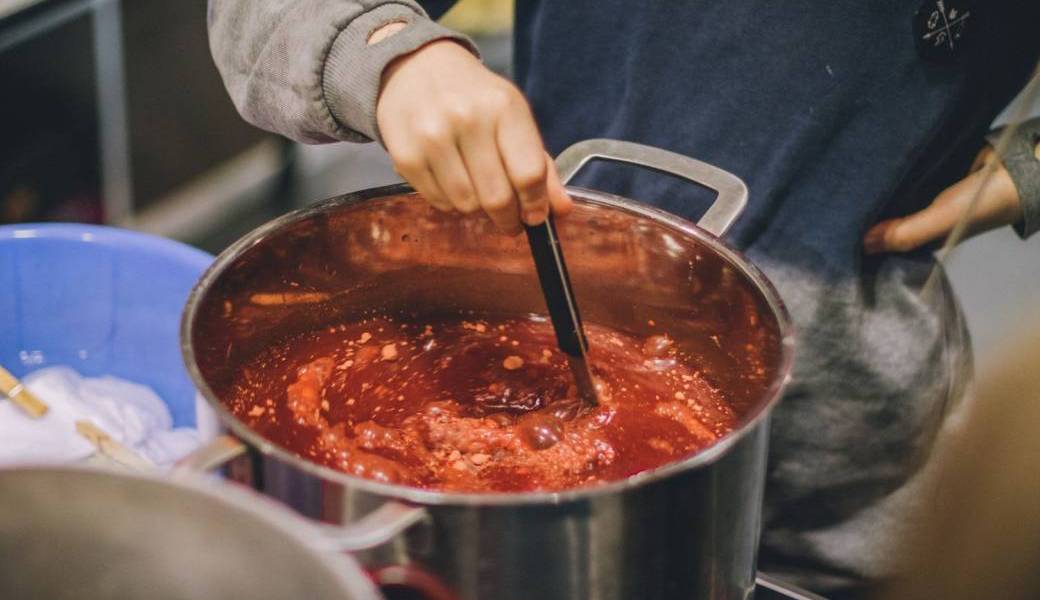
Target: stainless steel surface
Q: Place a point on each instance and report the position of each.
(96, 535)
(688, 529)
(732, 193)
(117, 189)
(54, 15)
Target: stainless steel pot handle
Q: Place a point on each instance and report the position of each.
(378, 527)
(210, 456)
(732, 193)
(374, 529)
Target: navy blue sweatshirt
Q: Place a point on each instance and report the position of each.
(835, 118)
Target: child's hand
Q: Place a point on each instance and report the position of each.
(998, 206)
(465, 138)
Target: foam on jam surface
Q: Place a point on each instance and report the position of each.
(485, 404)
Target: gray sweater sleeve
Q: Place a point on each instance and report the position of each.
(1022, 165)
(304, 69)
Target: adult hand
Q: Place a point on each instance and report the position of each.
(466, 139)
(998, 206)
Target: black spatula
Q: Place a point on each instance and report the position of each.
(563, 310)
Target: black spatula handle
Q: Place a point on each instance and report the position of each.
(556, 287)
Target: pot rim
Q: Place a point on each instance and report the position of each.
(432, 497)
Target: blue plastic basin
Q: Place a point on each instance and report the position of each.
(101, 300)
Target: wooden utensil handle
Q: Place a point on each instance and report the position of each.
(22, 397)
(110, 448)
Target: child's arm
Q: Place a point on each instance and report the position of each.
(355, 70)
(1011, 196)
(305, 69)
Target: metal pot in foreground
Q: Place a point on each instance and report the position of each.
(69, 532)
(688, 529)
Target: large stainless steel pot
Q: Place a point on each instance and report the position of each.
(685, 530)
(93, 535)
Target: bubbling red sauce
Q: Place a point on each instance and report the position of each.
(479, 405)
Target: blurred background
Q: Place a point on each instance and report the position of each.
(114, 113)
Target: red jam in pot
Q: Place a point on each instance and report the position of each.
(480, 405)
